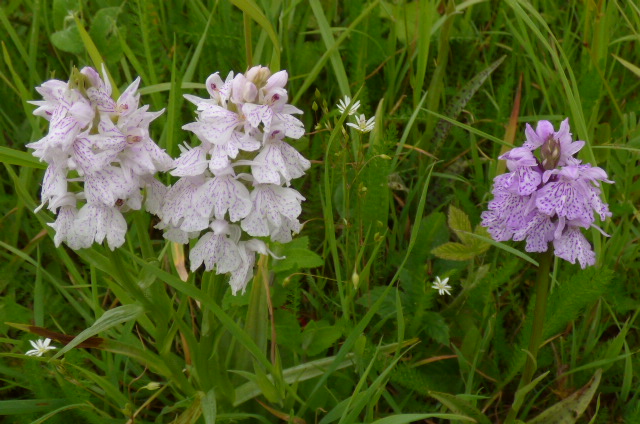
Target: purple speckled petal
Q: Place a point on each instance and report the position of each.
(258, 113)
(191, 162)
(269, 165)
(54, 185)
(243, 274)
(539, 232)
(64, 226)
(573, 245)
(289, 124)
(564, 198)
(215, 250)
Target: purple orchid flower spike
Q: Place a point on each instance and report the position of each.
(548, 198)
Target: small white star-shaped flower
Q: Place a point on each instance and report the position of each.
(362, 124)
(442, 286)
(40, 347)
(344, 104)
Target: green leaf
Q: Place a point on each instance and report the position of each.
(459, 222)
(460, 406)
(110, 319)
(252, 9)
(319, 336)
(436, 327)
(62, 9)
(570, 409)
(68, 40)
(27, 406)
(410, 418)
(104, 32)
(20, 158)
(456, 251)
(297, 255)
(505, 247)
(630, 66)
(266, 386)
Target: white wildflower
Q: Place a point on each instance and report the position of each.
(362, 124)
(442, 286)
(345, 105)
(40, 347)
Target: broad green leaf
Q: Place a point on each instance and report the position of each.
(505, 247)
(104, 30)
(571, 408)
(318, 336)
(61, 10)
(68, 40)
(457, 251)
(297, 255)
(110, 319)
(459, 222)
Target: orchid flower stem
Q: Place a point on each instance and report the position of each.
(247, 39)
(542, 294)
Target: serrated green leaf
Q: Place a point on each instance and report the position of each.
(68, 40)
(570, 409)
(459, 222)
(479, 243)
(436, 327)
(456, 251)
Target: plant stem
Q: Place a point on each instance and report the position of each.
(542, 293)
(247, 39)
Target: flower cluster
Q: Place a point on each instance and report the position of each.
(104, 146)
(548, 198)
(242, 124)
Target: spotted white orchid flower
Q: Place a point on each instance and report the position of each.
(242, 128)
(106, 144)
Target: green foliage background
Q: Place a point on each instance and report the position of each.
(358, 334)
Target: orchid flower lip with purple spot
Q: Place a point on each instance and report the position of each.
(548, 195)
